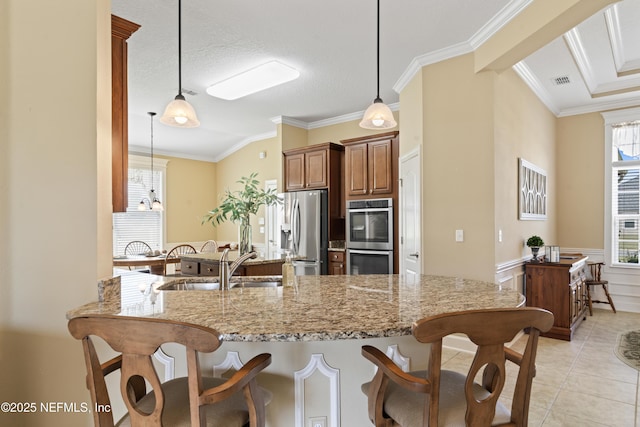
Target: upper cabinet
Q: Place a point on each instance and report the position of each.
(371, 165)
(315, 166)
(121, 30)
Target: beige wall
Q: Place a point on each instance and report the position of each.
(458, 161)
(412, 125)
(191, 191)
(524, 128)
(580, 159)
(55, 106)
(242, 163)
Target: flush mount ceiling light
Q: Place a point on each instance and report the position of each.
(270, 74)
(179, 112)
(378, 115)
(154, 202)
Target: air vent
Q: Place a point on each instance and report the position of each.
(561, 80)
(189, 92)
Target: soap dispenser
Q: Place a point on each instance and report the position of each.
(288, 273)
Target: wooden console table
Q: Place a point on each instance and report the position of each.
(559, 287)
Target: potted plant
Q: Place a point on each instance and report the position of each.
(238, 206)
(535, 243)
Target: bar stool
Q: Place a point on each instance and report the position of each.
(594, 279)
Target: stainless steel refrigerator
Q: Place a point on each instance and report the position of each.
(304, 230)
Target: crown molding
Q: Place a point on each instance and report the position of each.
(534, 84)
(346, 117)
(290, 121)
(244, 143)
(505, 15)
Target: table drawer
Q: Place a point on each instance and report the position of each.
(189, 267)
(209, 268)
(335, 256)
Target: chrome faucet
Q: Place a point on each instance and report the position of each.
(226, 270)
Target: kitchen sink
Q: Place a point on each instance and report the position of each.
(197, 284)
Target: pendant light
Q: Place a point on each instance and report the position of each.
(155, 203)
(378, 115)
(179, 112)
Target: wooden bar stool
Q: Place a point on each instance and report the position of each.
(594, 279)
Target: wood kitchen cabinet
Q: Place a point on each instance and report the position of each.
(121, 30)
(312, 167)
(558, 287)
(319, 166)
(336, 263)
(371, 165)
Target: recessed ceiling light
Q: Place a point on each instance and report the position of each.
(262, 77)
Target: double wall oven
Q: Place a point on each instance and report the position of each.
(370, 236)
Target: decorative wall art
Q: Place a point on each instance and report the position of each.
(532, 199)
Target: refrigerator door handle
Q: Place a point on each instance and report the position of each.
(295, 226)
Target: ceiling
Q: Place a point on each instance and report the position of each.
(333, 45)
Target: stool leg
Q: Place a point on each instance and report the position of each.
(589, 300)
(606, 292)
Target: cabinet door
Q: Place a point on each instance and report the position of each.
(336, 268)
(294, 172)
(356, 169)
(380, 164)
(316, 169)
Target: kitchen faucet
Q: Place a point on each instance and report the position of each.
(226, 270)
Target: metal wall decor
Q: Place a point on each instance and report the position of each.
(532, 200)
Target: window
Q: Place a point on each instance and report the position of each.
(622, 136)
(133, 224)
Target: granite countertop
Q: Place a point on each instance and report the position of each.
(233, 255)
(318, 308)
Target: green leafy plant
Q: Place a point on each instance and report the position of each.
(237, 206)
(535, 242)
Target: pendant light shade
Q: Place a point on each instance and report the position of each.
(378, 116)
(179, 112)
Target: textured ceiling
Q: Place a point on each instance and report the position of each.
(333, 45)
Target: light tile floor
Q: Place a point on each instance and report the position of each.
(581, 382)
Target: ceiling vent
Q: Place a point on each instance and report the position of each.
(189, 92)
(561, 80)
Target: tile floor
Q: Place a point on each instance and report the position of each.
(581, 382)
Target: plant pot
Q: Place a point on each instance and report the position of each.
(534, 252)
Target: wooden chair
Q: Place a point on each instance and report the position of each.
(176, 252)
(594, 278)
(209, 246)
(439, 397)
(137, 247)
(189, 401)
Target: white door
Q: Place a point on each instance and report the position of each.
(273, 219)
(409, 212)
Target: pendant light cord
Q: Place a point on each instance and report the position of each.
(378, 51)
(180, 47)
(152, 114)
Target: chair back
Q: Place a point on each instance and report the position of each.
(176, 252)
(137, 339)
(137, 247)
(209, 246)
(490, 330)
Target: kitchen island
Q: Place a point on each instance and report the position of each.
(314, 330)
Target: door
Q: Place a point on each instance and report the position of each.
(273, 222)
(410, 263)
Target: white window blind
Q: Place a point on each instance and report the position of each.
(147, 226)
(623, 195)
